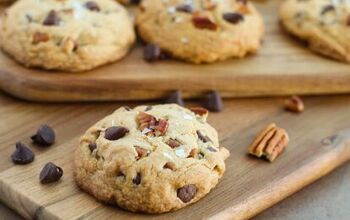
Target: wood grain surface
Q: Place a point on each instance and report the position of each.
(248, 187)
(283, 66)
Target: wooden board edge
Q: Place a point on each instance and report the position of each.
(305, 175)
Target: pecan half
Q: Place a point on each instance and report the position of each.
(270, 143)
(294, 104)
(149, 125)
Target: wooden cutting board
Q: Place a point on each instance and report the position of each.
(283, 66)
(248, 186)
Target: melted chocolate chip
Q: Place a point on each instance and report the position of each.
(213, 102)
(135, 2)
(203, 137)
(187, 193)
(92, 146)
(115, 132)
(233, 18)
(22, 154)
(92, 6)
(176, 98)
(184, 8)
(50, 173)
(137, 179)
(52, 19)
(45, 136)
(151, 53)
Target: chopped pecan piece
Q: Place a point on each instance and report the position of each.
(173, 143)
(270, 143)
(199, 111)
(294, 104)
(170, 165)
(148, 124)
(193, 153)
(39, 37)
(203, 23)
(141, 152)
(69, 45)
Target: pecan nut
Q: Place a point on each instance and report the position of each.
(149, 125)
(270, 143)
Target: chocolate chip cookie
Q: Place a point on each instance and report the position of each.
(70, 35)
(324, 24)
(150, 159)
(201, 31)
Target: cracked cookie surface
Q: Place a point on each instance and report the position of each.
(150, 159)
(201, 31)
(69, 35)
(324, 24)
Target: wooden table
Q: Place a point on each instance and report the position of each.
(325, 199)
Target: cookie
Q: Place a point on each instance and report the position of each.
(324, 24)
(201, 31)
(150, 159)
(70, 35)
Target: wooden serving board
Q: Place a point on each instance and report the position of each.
(249, 185)
(283, 66)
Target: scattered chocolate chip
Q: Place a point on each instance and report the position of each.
(184, 8)
(173, 143)
(22, 154)
(233, 18)
(137, 179)
(203, 137)
(203, 23)
(187, 192)
(148, 108)
(211, 149)
(170, 165)
(92, 6)
(327, 9)
(50, 173)
(115, 132)
(135, 2)
(92, 146)
(193, 153)
(199, 111)
(52, 19)
(176, 98)
(141, 152)
(127, 108)
(151, 52)
(45, 136)
(213, 102)
(39, 37)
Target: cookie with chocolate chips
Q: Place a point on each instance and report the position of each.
(201, 31)
(323, 24)
(70, 35)
(151, 161)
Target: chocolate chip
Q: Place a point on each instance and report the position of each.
(127, 108)
(137, 179)
(187, 192)
(135, 2)
(92, 146)
(151, 52)
(173, 143)
(327, 8)
(141, 152)
(184, 8)
(233, 18)
(148, 108)
(213, 102)
(203, 23)
(115, 132)
(50, 173)
(203, 137)
(22, 154)
(92, 6)
(45, 136)
(175, 97)
(211, 149)
(170, 165)
(52, 19)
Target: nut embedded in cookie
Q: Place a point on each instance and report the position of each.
(269, 143)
